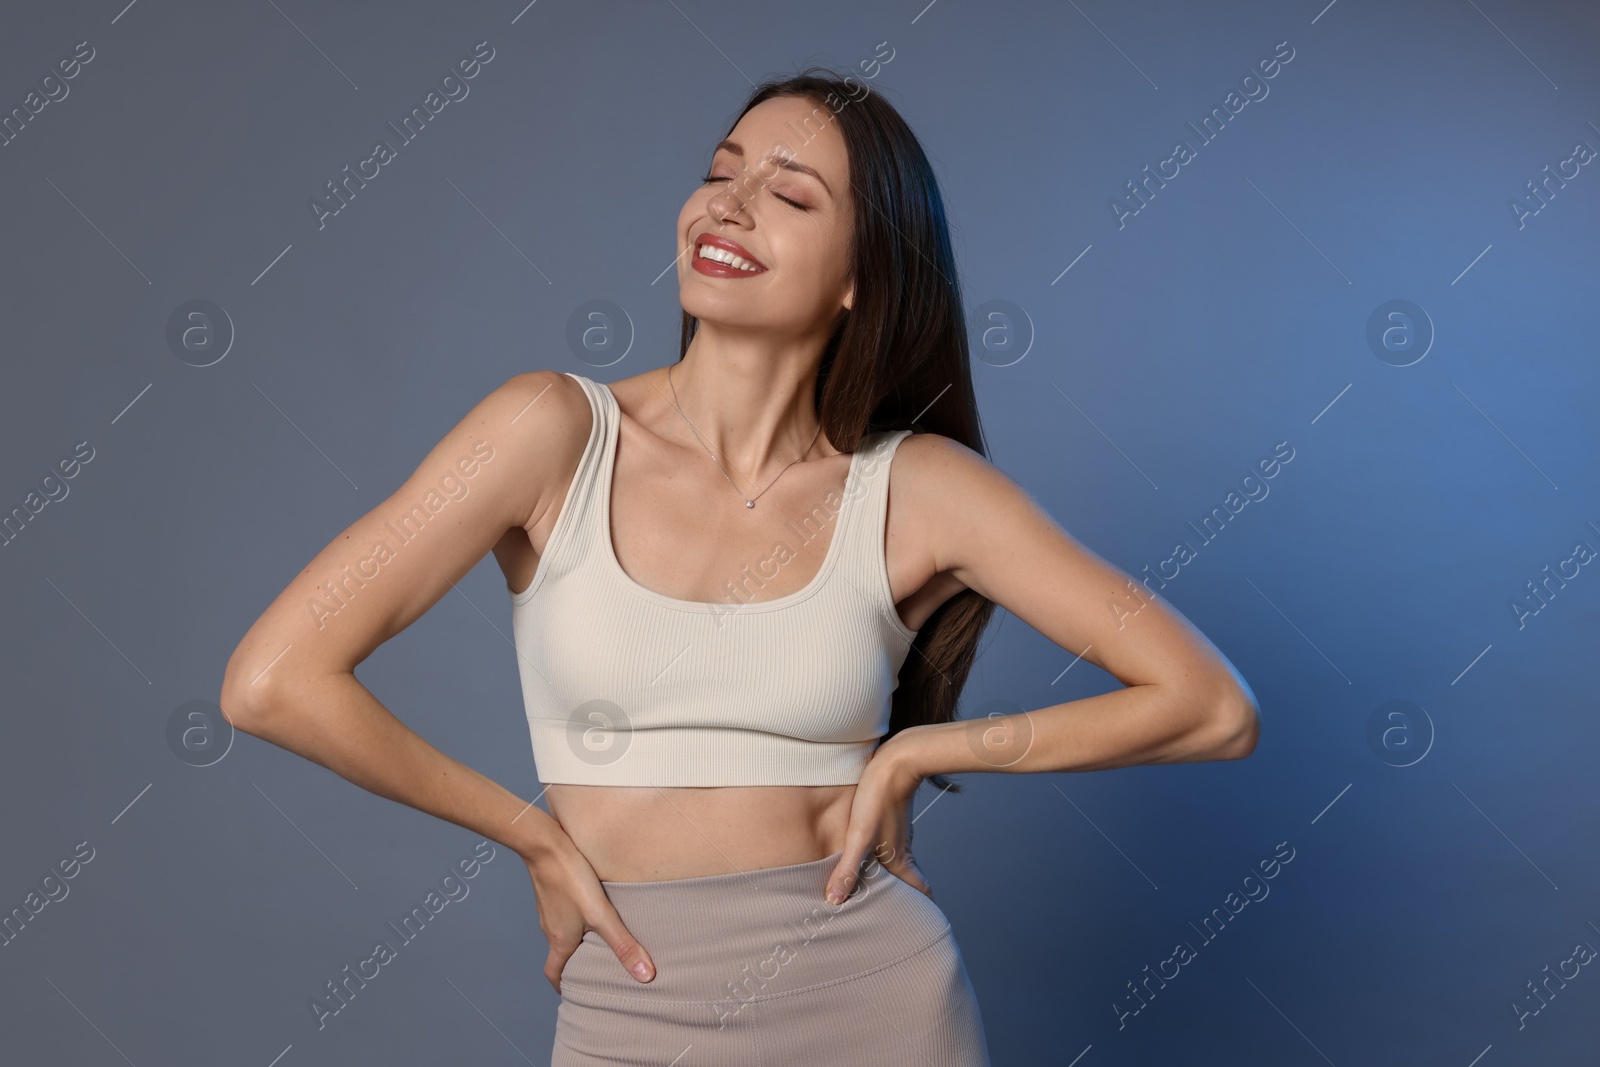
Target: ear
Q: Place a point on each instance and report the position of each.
(850, 296)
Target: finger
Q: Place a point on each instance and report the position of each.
(908, 873)
(563, 942)
(554, 964)
(634, 958)
(842, 880)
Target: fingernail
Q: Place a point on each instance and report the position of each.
(834, 895)
(642, 970)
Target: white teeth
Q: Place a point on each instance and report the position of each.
(722, 255)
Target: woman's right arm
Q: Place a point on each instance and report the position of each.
(291, 680)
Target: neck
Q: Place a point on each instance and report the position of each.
(752, 406)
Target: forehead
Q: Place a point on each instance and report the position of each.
(797, 128)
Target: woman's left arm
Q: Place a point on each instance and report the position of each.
(1182, 700)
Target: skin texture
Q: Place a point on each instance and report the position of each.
(679, 528)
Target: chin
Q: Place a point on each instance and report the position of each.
(720, 309)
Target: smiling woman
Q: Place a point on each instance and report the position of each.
(726, 863)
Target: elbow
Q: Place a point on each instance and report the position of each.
(1226, 721)
(244, 697)
(1235, 726)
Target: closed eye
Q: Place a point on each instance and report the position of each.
(780, 196)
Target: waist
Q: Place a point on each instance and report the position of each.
(728, 939)
(645, 834)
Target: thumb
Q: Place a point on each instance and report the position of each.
(632, 954)
(843, 877)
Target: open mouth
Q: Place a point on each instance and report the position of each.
(724, 258)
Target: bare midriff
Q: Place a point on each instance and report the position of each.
(651, 834)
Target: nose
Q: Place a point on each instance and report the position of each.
(725, 204)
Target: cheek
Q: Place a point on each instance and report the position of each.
(834, 257)
(693, 208)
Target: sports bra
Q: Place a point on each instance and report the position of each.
(626, 686)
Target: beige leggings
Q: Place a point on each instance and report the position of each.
(757, 969)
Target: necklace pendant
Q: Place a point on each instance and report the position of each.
(749, 503)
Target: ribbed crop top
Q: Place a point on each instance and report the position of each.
(627, 686)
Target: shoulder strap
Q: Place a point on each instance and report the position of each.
(580, 512)
(868, 511)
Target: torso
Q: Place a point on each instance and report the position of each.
(677, 524)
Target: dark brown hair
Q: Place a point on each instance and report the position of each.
(898, 358)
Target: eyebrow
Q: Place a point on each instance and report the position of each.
(786, 164)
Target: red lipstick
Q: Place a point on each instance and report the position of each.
(724, 270)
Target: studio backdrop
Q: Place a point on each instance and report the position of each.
(1287, 310)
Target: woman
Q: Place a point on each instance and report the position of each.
(709, 673)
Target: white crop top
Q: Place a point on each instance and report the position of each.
(626, 686)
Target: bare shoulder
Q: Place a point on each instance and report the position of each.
(935, 482)
(933, 452)
(965, 509)
(548, 421)
(552, 393)
(937, 474)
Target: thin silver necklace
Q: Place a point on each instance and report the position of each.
(749, 502)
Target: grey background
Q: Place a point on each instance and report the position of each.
(1229, 314)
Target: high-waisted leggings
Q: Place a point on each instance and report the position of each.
(757, 969)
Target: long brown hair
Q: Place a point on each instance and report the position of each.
(898, 358)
